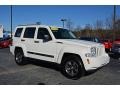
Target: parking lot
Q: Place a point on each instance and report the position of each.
(43, 73)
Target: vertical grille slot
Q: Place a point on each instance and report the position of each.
(99, 51)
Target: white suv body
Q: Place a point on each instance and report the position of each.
(92, 54)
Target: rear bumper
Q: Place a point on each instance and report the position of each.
(95, 63)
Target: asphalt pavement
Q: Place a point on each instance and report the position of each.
(44, 73)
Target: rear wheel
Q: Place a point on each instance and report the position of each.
(19, 57)
(72, 67)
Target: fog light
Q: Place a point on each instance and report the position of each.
(88, 61)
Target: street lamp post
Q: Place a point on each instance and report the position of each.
(11, 19)
(114, 21)
(63, 21)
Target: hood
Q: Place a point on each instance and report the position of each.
(79, 42)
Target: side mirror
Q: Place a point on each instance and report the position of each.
(46, 38)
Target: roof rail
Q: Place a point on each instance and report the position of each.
(27, 24)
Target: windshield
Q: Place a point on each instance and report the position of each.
(60, 33)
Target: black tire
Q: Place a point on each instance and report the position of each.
(19, 57)
(72, 67)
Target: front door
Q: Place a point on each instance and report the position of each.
(44, 49)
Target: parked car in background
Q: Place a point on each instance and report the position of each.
(116, 40)
(116, 47)
(108, 44)
(93, 39)
(1, 39)
(5, 42)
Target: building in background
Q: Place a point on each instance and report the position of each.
(1, 31)
(4, 33)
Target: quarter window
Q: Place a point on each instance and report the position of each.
(29, 32)
(18, 32)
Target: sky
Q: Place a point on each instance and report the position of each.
(80, 15)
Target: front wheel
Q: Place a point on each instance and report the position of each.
(72, 67)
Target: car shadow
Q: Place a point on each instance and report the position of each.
(45, 64)
(90, 72)
(40, 83)
(53, 66)
(87, 73)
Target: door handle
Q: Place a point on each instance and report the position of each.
(22, 40)
(60, 42)
(36, 41)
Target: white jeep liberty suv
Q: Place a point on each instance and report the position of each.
(60, 46)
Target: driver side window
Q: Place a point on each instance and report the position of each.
(42, 32)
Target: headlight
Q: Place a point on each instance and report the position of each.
(93, 52)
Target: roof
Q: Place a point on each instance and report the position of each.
(32, 25)
(38, 25)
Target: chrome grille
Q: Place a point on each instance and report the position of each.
(100, 51)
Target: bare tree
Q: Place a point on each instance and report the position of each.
(88, 27)
(99, 28)
(99, 25)
(69, 24)
(88, 30)
(117, 24)
(78, 28)
(77, 31)
(108, 23)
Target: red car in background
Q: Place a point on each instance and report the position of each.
(117, 41)
(5, 42)
(107, 44)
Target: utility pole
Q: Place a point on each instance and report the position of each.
(114, 21)
(11, 19)
(63, 21)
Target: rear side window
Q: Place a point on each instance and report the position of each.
(29, 32)
(18, 32)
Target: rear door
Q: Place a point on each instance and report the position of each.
(28, 39)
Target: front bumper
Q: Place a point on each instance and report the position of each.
(96, 62)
